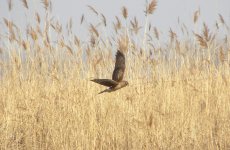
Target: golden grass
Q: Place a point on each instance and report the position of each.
(178, 96)
(67, 113)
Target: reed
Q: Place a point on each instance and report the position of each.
(177, 98)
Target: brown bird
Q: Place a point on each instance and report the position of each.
(118, 73)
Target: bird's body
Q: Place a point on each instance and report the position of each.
(117, 77)
(114, 87)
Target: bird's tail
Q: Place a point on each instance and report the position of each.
(106, 90)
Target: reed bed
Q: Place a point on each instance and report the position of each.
(178, 95)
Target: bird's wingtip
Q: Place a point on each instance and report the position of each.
(91, 78)
(119, 53)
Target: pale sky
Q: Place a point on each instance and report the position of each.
(165, 16)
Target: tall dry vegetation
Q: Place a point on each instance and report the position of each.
(178, 97)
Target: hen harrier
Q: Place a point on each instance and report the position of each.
(118, 73)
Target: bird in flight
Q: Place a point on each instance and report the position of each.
(117, 77)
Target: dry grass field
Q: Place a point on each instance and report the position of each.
(178, 95)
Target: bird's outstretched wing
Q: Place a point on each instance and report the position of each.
(105, 82)
(119, 69)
